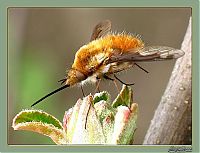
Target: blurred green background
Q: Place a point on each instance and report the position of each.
(42, 44)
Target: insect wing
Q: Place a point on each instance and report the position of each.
(164, 52)
(149, 53)
(101, 29)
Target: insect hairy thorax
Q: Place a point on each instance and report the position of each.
(90, 59)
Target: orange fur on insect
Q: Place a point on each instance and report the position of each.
(89, 58)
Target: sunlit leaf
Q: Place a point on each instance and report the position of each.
(40, 122)
(125, 124)
(101, 96)
(92, 120)
(124, 98)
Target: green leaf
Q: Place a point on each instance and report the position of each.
(124, 98)
(105, 114)
(83, 127)
(73, 120)
(37, 116)
(93, 120)
(40, 122)
(104, 95)
(94, 128)
(126, 126)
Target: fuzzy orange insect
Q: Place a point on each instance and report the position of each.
(89, 62)
(108, 54)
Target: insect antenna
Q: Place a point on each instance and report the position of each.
(114, 81)
(62, 80)
(128, 84)
(51, 93)
(141, 68)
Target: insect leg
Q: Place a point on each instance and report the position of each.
(97, 84)
(108, 78)
(128, 84)
(87, 116)
(141, 68)
(114, 81)
(82, 91)
(97, 88)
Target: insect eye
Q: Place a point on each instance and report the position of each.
(80, 75)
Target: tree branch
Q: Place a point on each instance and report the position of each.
(172, 120)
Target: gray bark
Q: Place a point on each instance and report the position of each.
(172, 120)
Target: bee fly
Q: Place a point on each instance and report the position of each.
(108, 53)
